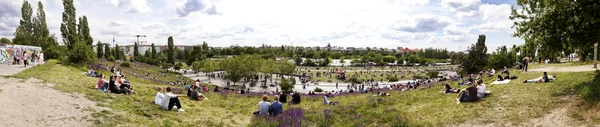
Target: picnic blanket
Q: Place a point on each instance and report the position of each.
(501, 82)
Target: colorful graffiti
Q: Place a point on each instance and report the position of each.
(7, 52)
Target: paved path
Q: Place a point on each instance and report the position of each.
(6, 70)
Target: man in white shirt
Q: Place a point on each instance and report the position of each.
(481, 88)
(159, 96)
(170, 100)
(263, 106)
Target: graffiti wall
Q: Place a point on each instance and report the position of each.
(8, 52)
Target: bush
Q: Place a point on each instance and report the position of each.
(82, 54)
(111, 59)
(318, 89)
(54, 52)
(126, 64)
(177, 66)
(418, 77)
(433, 73)
(392, 79)
(355, 80)
(286, 85)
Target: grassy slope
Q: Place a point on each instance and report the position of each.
(514, 102)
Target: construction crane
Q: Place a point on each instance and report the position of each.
(137, 38)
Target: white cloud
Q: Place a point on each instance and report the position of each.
(190, 6)
(494, 26)
(495, 12)
(357, 23)
(421, 24)
(463, 8)
(132, 6)
(411, 2)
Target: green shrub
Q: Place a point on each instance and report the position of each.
(355, 80)
(82, 54)
(418, 76)
(433, 73)
(126, 64)
(111, 59)
(318, 89)
(392, 78)
(54, 52)
(286, 85)
(177, 66)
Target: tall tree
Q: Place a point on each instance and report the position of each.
(209, 67)
(136, 52)
(41, 29)
(107, 53)
(205, 46)
(24, 32)
(84, 31)
(171, 51)
(68, 28)
(477, 57)
(153, 51)
(99, 51)
(117, 51)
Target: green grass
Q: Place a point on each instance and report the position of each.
(509, 103)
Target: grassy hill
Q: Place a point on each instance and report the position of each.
(510, 103)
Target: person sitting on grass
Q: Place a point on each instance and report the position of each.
(263, 106)
(216, 89)
(481, 89)
(448, 89)
(194, 95)
(276, 107)
(170, 100)
(326, 101)
(468, 95)
(296, 98)
(159, 96)
(543, 79)
(500, 78)
(102, 84)
(283, 97)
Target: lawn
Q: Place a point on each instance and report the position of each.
(510, 103)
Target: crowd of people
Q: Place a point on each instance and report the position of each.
(21, 56)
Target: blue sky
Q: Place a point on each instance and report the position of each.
(451, 24)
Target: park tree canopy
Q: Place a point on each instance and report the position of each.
(554, 26)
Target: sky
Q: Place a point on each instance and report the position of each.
(450, 24)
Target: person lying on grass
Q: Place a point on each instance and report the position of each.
(326, 101)
(468, 95)
(542, 79)
(169, 100)
(448, 89)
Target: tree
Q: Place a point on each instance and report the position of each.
(298, 60)
(204, 46)
(209, 67)
(117, 52)
(5, 41)
(99, 51)
(24, 32)
(171, 51)
(389, 59)
(286, 85)
(477, 57)
(107, 53)
(153, 51)
(342, 60)
(552, 27)
(433, 73)
(68, 28)
(197, 66)
(269, 66)
(84, 31)
(336, 55)
(41, 33)
(326, 61)
(136, 52)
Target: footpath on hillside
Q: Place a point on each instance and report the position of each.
(565, 69)
(32, 102)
